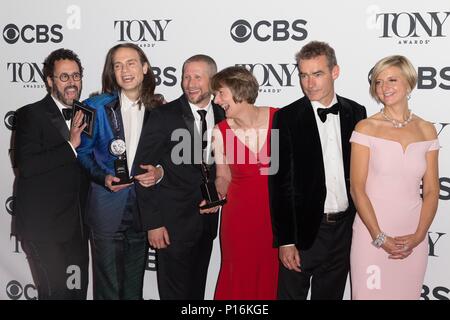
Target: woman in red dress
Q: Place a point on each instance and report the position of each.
(249, 265)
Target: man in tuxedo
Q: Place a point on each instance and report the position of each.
(312, 211)
(50, 189)
(118, 244)
(172, 137)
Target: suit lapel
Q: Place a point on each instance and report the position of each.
(345, 117)
(56, 118)
(146, 115)
(189, 121)
(115, 118)
(188, 117)
(310, 139)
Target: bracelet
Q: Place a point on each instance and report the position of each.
(379, 240)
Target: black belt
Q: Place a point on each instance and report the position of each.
(334, 217)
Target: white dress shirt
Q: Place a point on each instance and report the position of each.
(132, 119)
(209, 124)
(330, 140)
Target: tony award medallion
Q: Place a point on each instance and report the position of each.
(118, 148)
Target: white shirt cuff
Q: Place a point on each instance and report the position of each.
(159, 166)
(74, 151)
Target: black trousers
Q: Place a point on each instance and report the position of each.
(325, 265)
(182, 269)
(59, 269)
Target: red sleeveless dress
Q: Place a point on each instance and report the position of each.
(249, 267)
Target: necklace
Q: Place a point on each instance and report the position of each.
(396, 123)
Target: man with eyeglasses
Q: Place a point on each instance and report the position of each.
(51, 187)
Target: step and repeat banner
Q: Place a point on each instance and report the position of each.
(261, 35)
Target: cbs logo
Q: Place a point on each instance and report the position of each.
(165, 76)
(39, 33)
(436, 293)
(278, 30)
(15, 290)
(428, 78)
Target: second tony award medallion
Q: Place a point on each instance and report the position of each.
(118, 148)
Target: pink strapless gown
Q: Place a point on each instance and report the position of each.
(393, 187)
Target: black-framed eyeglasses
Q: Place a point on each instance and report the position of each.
(64, 77)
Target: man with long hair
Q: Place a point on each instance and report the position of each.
(119, 248)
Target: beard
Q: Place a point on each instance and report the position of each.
(205, 97)
(60, 95)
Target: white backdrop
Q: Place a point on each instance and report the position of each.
(264, 36)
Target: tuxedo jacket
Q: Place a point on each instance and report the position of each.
(174, 201)
(105, 209)
(297, 191)
(50, 184)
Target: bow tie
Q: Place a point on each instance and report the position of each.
(322, 112)
(67, 113)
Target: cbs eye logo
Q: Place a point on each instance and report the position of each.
(11, 33)
(9, 205)
(369, 76)
(241, 31)
(10, 120)
(15, 291)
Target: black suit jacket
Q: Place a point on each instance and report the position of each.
(49, 180)
(297, 190)
(173, 202)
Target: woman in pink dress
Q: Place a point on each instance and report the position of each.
(393, 152)
(249, 265)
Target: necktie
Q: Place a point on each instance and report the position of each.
(67, 113)
(322, 112)
(202, 114)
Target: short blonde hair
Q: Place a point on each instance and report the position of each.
(401, 62)
(241, 82)
(212, 66)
